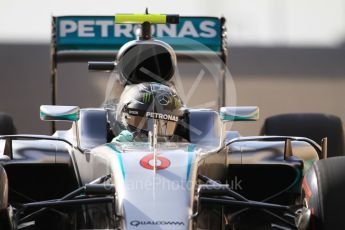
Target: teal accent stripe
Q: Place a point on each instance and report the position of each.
(236, 118)
(307, 165)
(119, 157)
(190, 149)
(67, 117)
(296, 185)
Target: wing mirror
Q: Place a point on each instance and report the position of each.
(59, 113)
(239, 113)
(62, 113)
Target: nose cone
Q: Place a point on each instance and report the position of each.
(158, 199)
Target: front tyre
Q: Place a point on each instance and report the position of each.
(324, 189)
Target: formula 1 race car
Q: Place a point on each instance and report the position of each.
(150, 162)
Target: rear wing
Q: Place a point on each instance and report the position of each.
(92, 38)
(75, 38)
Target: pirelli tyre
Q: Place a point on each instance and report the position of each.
(324, 190)
(7, 126)
(311, 125)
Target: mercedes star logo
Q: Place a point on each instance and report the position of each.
(163, 99)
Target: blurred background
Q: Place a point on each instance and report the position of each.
(284, 55)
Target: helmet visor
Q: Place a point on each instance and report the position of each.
(164, 127)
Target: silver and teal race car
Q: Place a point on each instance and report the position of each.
(146, 160)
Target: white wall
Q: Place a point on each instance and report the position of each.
(250, 22)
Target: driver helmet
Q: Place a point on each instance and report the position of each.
(140, 105)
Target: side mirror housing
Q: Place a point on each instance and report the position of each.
(239, 113)
(59, 113)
